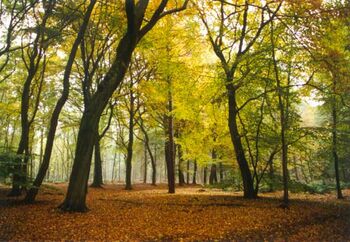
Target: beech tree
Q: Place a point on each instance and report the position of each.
(59, 105)
(231, 43)
(136, 29)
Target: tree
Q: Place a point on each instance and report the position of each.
(30, 197)
(35, 56)
(231, 43)
(76, 194)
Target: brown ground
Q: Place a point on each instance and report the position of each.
(149, 213)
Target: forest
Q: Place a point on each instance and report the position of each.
(175, 120)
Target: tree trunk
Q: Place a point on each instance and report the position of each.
(271, 177)
(181, 174)
(283, 123)
(205, 175)
(194, 180)
(213, 178)
(154, 165)
(169, 143)
(97, 180)
(128, 161)
(188, 173)
(221, 171)
(170, 164)
(30, 197)
(145, 170)
(335, 143)
(76, 196)
(248, 185)
(37, 52)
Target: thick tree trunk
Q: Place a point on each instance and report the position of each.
(77, 188)
(30, 197)
(248, 185)
(76, 195)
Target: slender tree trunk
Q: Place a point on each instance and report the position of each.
(181, 174)
(128, 164)
(205, 175)
(248, 185)
(271, 177)
(188, 172)
(145, 170)
(194, 180)
(283, 123)
(19, 177)
(170, 164)
(296, 172)
(113, 167)
(97, 180)
(335, 143)
(169, 143)
(128, 161)
(30, 197)
(221, 171)
(213, 178)
(154, 165)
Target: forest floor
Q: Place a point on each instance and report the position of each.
(193, 213)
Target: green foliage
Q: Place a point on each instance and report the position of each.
(8, 162)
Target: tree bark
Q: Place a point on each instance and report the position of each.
(194, 178)
(283, 124)
(205, 175)
(335, 142)
(145, 167)
(169, 143)
(181, 174)
(97, 180)
(128, 162)
(213, 178)
(221, 171)
(169, 158)
(149, 150)
(248, 185)
(188, 173)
